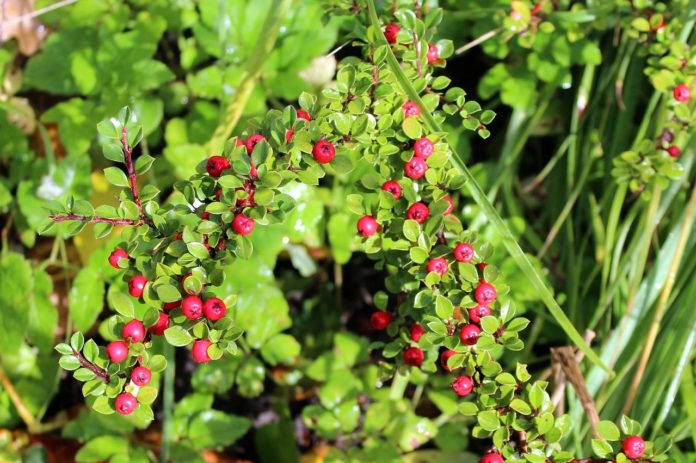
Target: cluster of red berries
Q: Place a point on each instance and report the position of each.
(391, 31)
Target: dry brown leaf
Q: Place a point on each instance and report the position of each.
(28, 31)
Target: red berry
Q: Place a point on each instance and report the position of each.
(136, 285)
(674, 151)
(117, 351)
(464, 252)
(418, 212)
(633, 447)
(380, 320)
(243, 225)
(125, 403)
(682, 93)
(116, 256)
(413, 356)
(214, 309)
(215, 165)
(240, 142)
(469, 334)
(481, 266)
(478, 312)
(438, 265)
(485, 293)
(302, 114)
(415, 332)
(200, 351)
(433, 54)
(323, 151)
(288, 135)
(367, 226)
(393, 187)
(410, 109)
(169, 306)
(192, 307)
(659, 27)
(444, 357)
(415, 168)
(462, 385)
(450, 208)
(423, 148)
(493, 457)
(390, 32)
(160, 325)
(141, 376)
(133, 331)
(252, 141)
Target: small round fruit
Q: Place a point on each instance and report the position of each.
(390, 32)
(450, 208)
(393, 187)
(125, 403)
(413, 356)
(415, 168)
(633, 447)
(192, 307)
(160, 325)
(485, 293)
(367, 226)
(464, 252)
(136, 285)
(169, 306)
(302, 114)
(493, 457)
(674, 151)
(200, 351)
(323, 152)
(133, 331)
(682, 93)
(116, 256)
(444, 357)
(214, 309)
(478, 312)
(243, 225)
(215, 165)
(423, 148)
(462, 385)
(433, 54)
(415, 332)
(289, 134)
(141, 376)
(418, 212)
(470, 334)
(380, 320)
(117, 351)
(438, 265)
(410, 109)
(252, 141)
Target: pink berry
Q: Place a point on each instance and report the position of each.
(393, 187)
(141, 376)
(136, 285)
(485, 293)
(410, 109)
(252, 141)
(493, 457)
(125, 403)
(438, 265)
(302, 114)
(433, 54)
(215, 165)
(243, 225)
(214, 309)
(464, 252)
(192, 307)
(200, 351)
(445, 357)
(390, 32)
(462, 385)
(380, 320)
(469, 334)
(160, 325)
(415, 332)
(133, 331)
(450, 208)
(117, 351)
(478, 312)
(413, 356)
(418, 212)
(415, 168)
(169, 306)
(423, 148)
(633, 447)
(682, 93)
(674, 151)
(367, 226)
(116, 256)
(323, 151)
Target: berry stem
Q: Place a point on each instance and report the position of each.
(132, 177)
(100, 372)
(95, 219)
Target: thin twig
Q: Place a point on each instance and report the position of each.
(95, 219)
(132, 177)
(477, 41)
(100, 372)
(38, 12)
(24, 413)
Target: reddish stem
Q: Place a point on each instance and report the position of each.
(84, 218)
(128, 159)
(100, 372)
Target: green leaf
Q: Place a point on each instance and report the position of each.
(520, 406)
(15, 291)
(86, 298)
(488, 420)
(411, 230)
(608, 430)
(121, 304)
(102, 448)
(281, 348)
(178, 336)
(213, 428)
(601, 448)
(116, 176)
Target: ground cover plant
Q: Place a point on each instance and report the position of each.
(418, 232)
